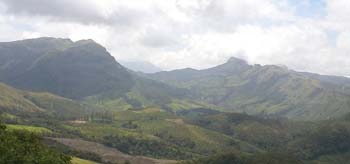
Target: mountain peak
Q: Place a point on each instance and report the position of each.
(86, 41)
(232, 65)
(235, 60)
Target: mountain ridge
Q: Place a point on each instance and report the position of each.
(256, 89)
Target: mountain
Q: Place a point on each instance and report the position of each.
(263, 90)
(61, 66)
(140, 66)
(81, 70)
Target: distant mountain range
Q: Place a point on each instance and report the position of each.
(84, 70)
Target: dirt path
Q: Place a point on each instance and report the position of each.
(109, 154)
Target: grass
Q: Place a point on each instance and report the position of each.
(34, 129)
(76, 160)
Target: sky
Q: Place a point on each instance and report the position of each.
(304, 35)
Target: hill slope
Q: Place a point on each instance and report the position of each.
(26, 104)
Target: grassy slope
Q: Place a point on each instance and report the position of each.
(15, 102)
(33, 129)
(57, 106)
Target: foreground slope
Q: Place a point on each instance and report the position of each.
(23, 147)
(257, 89)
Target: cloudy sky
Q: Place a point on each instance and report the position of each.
(305, 35)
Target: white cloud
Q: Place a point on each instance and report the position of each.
(192, 33)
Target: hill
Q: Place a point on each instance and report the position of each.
(263, 90)
(81, 70)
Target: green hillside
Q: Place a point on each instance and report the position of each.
(16, 104)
